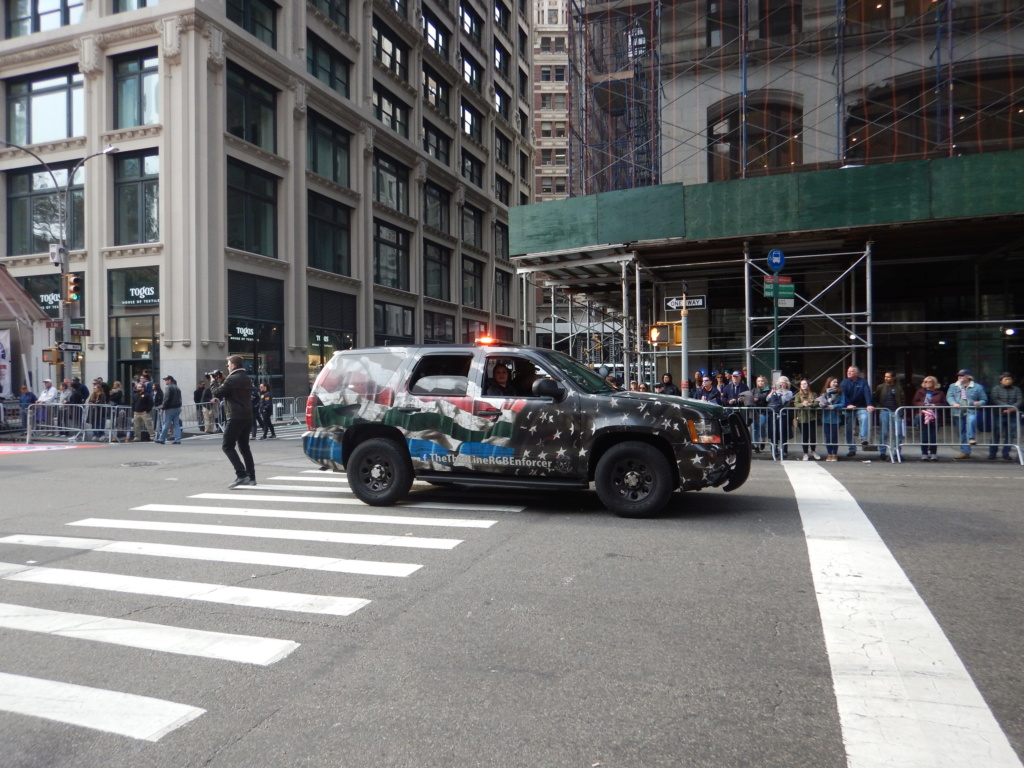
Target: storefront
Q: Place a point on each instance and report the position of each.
(332, 326)
(256, 327)
(134, 306)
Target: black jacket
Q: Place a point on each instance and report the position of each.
(236, 392)
(172, 396)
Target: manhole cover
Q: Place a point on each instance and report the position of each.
(141, 464)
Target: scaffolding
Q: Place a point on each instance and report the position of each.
(614, 75)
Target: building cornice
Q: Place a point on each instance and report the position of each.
(249, 259)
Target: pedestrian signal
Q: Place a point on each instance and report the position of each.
(51, 355)
(662, 334)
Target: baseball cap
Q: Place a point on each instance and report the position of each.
(736, 373)
(1005, 375)
(964, 372)
(47, 380)
(706, 379)
(168, 377)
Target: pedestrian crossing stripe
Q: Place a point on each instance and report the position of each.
(126, 714)
(337, 517)
(185, 590)
(253, 495)
(273, 559)
(223, 646)
(333, 537)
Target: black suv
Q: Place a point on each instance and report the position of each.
(513, 416)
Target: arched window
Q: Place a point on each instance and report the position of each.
(774, 122)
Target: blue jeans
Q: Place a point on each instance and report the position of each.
(831, 437)
(863, 422)
(172, 416)
(885, 418)
(1004, 430)
(967, 421)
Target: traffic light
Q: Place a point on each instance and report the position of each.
(74, 288)
(661, 334)
(51, 355)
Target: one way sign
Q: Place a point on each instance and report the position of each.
(692, 302)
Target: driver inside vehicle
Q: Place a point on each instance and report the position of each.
(526, 374)
(499, 384)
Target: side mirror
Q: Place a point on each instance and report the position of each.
(548, 388)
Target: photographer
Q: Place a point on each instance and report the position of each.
(236, 392)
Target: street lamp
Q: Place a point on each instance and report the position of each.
(64, 214)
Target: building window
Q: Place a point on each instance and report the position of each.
(472, 72)
(390, 256)
(137, 198)
(472, 226)
(436, 90)
(545, 74)
(502, 16)
(437, 207)
(501, 240)
(252, 109)
(34, 210)
(327, 153)
(335, 10)
(472, 24)
(327, 65)
(501, 61)
(472, 123)
(524, 83)
(502, 147)
(473, 330)
(473, 283)
(723, 22)
(502, 292)
(437, 272)
(390, 51)
(390, 183)
(436, 144)
(502, 190)
(554, 156)
(472, 169)
(392, 324)
(330, 235)
(773, 140)
(27, 16)
(136, 95)
(252, 209)
(257, 17)
(437, 36)
(438, 328)
(502, 103)
(780, 18)
(552, 16)
(391, 112)
(47, 106)
(524, 166)
(332, 325)
(121, 6)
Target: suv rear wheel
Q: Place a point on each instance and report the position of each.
(634, 479)
(379, 472)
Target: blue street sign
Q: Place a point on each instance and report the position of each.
(776, 261)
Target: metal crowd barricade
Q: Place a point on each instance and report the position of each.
(55, 420)
(12, 419)
(762, 424)
(285, 410)
(932, 427)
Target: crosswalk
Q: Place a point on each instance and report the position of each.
(332, 515)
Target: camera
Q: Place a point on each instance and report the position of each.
(212, 374)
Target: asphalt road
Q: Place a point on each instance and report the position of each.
(553, 634)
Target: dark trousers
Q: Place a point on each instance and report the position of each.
(266, 421)
(236, 432)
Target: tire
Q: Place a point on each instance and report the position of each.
(379, 472)
(634, 480)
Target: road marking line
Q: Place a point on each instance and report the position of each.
(904, 696)
(185, 590)
(306, 488)
(276, 559)
(341, 479)
(340, 517)
(126, 714)
(250, 496)
(243, 649)
(332, 537)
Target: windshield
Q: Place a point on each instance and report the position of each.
(583, 377)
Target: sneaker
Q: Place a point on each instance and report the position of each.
(176, 442)
(815, 456)
(252, 481)
(933, 457)
(962, 456)
(972, 441)
(851, 454)
(1008, 458)
(159, 442)
(925, 457)
(806, 458)
(239, 481)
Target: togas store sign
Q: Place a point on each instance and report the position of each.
(140, 296)
(243, 333)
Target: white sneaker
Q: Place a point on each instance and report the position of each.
(806, 458)
(815, 456)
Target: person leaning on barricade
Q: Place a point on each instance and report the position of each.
(888, 397)
(965, 397)
(928, 399)
(1010, 401)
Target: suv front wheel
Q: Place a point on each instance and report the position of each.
(634, 479)
(379, 472)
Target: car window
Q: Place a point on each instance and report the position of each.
(584, 378)
(363, 375)
(441, 375)
(522, 372)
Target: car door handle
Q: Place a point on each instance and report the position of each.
(488, 414)
(410, 409)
